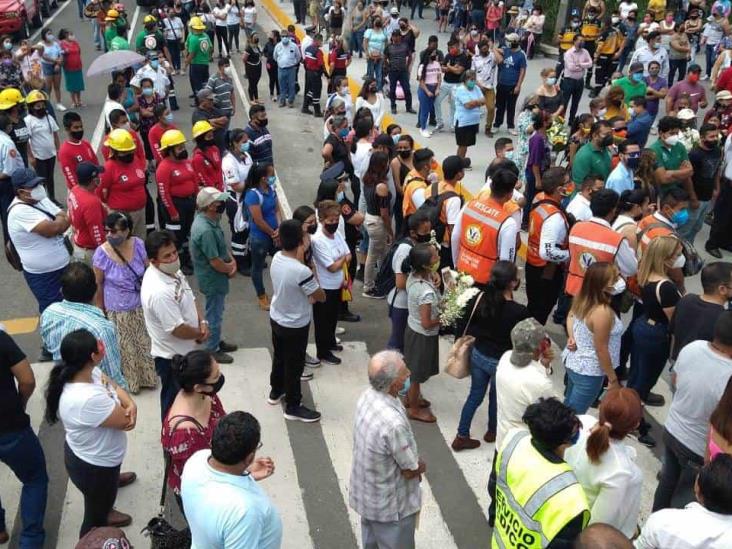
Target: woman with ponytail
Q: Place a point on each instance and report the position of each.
(95, 413)
(191, 419)
(495, 316)
(605, 466)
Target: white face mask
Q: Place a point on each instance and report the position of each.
(228, 70)
(38, 193)
(671, 140)
(619, 286)
(170, 268)
(601, 113)
(679, 262)
(551, 81)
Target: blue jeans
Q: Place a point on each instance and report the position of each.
(375, 70)
(357, 41)
(426, 104)
(81, 4)
(651, 349)
(174, 49)
(168, 385)
(582, 391)
(482, 370)
(711, 56)
(691, 228)
(22, 452)
(259, 249)
(46, 287)
(447, 90)
(398, 325)
(287, 77)
(215, 317)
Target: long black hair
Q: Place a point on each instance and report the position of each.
(327, 190)
(255, 175)
(77, 349)
(192, 369)
(503, 276)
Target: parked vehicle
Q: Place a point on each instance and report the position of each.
(18, 16)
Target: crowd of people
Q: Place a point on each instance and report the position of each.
(610, 218)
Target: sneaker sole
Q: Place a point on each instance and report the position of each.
(332, 363)
(306, 378)
(298, 418)
(317, 365)
(273, 402)
(371, 296)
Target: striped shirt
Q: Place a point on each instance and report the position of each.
(222, 88)
(60, 319)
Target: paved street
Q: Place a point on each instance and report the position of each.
(310, 485)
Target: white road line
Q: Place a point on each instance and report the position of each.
(48, 21)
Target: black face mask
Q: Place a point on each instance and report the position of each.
(331, 227)
(215, 387)
(262, 122)
(220, 208)
(606, 141)
(182, 155)
(39, 113)
(127, 158)
(405, 154)
(422, 238)
(312, 229)
(204, 143)
(77, 135)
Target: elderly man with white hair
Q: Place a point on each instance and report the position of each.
(386, 469)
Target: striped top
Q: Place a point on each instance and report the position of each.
(221, 86)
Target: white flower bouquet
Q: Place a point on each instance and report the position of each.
(459, 291)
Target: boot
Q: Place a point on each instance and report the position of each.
(316, 109)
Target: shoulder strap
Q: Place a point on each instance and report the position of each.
(435, 189)
(126, 264)
(656, 225)
(475, 307)
(34, 207)
(169, 459)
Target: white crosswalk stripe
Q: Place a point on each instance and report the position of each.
(335, 390)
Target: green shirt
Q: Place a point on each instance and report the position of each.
(119, 43)
(207, 243)
(670, 159)
(590, 161)
(199, 46)
(631, 88)
(109, 35)
(147, 41)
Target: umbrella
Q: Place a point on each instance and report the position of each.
(114, 61)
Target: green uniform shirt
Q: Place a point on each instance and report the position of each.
(119, 43)
(590, 161)
(146, 41)
(121, 22)
(199, 46)
(631, 88)
(109, 35)
(207, 243)
(670, 159)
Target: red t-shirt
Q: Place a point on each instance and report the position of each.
(724, 82)
(175, 178)
(154, 136)
(72, 57)
(139, 148)
(70, 155)
(87, 214)
(207, 165)
(123, 185)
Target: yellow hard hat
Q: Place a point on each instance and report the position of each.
(149, 19)
(120, 140)
(171, 138)
(114, 14)
(197, 24)
(201, 127)
(35, 96)
(10, 97)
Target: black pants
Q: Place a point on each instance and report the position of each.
(233, 32)
(564, 304)
(45, 168)
(198, 75)
(678, 474)
(606, 66)
(97, 484)
(720, 234)
(403, 78)
(254, 73)
(300, 11)
(325, 317)
(313, 89)
(149, 208)
(186, 207)
(274, 83)
(542, 289)
(288, 360)
(168, 385)
(505, 104)
(222, 40)
(571, 90)
(590, 47)
(239, 240)
(174, 49)
(676, 66)
(7, 195)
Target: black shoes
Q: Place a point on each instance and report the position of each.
(275, 398)
(227, 347)
(330, 358)
(223, 358)
(654, 399)
(349, 317)
(714, 252)
(337, 348)
(302, 413)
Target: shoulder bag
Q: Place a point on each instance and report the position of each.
(458, 360)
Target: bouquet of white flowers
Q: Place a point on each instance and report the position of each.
(458, 293)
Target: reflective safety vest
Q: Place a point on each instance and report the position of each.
(649, 228)
(479, 247)
(540, 212)
(590, 29)
(589, 242)
(535, 498)
(412, 185)
(566, 39)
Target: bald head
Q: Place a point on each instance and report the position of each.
(385, 368)
(602, 536)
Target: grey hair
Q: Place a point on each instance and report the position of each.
(384, 368)
(339, 120)
(337, 102)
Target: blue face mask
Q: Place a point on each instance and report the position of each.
(343, 132)
(272, 180)
(244, 147)
(637, 77)
(341, 196)
(285, 40)
(396, 137)
(169, 118)
(147, 91)
(155, 64)
(680, 218)
(470, 84)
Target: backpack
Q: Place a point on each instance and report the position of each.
(386, 277)
(432, 206)
(694, 263)
(242, 216)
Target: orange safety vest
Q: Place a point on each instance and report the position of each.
(480, 227)
(649, 228)
(540, 212)
(589, 242)
(415, 183)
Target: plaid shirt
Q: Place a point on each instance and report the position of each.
(60, 319)
(383, 446)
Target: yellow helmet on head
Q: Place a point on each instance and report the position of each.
(171, 138)
(149, 19)
(201, 127)
(113, 14)
(34, 96)
(120, 140)
(197, 23)
(10, 97)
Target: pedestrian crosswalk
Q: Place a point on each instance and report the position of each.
(310, 484)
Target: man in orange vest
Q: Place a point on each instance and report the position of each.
(547, 245)
(486, 232)
(594, 240)
(453, 172)
(416, 182)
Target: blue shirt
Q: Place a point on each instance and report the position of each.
(60, 319)
(227, 511)
(267, 201)
(620, 179)
(639, 127)
(510, 70)
(260, 148)
(376, 40)
(464, 116)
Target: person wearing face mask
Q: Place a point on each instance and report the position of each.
(11, 75)
(339, 58)
(174, 34)
(44, 141)
(468, 102)
(674, 169)
(595, 330)
(565, 39)
(338, 102)
(633, 85)
(639, 125)
(259, 136)
(75, 149)
(72, 68)
(314, 69)
(164, 122)
(593, 157)
(712, 33)
(590, 32)
(199, 48)
(155, 70)
(689, 86)
(252, 68)
(621, 178)
(652, 51)
(217, 117)
(485, 65)
(511, 73)
(288, 56)
(206, 159)
(235, 166)
(213, 266)
(86, 212)
(579, 206)
(575, 61)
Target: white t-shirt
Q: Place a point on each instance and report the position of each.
(327, 251)
(83, 408)
(235, 170)
(400, 254)
(579, 207)
(41, 132)
(167, 302)
(361, 158)
(292, 283)
(626, 7)
(173, 28)
(39, 254)
(250, 14)
(692, 527)
(219, 12)
(110, 106)
(232, 17)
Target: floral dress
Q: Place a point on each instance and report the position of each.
(521, 153)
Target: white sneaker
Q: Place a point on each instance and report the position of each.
(306, 376)
(705, 77)
(340, 331)
(425, 133)
(60, 107)
(311, 361)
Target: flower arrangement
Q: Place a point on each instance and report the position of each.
(557, 134)
(459, 290)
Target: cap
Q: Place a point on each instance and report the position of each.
(86, 171)
(513, 10)
(685, 114)
(526, 337)
(722, 95)
(513, 37)
(394, 11)
(635, 67)
(694, 68)
(104, 537)
(209, 195)
(204, 93)
(336, 171)
(25, 178)
(152, 54)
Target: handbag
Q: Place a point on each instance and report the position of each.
(458, 360)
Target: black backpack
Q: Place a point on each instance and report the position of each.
(432, 207)
(386, 278)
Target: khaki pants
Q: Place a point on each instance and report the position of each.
(139, 227)
(83, 255)
(378, 248)
(490, 107)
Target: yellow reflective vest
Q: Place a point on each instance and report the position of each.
(535, 498)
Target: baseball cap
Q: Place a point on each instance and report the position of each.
(209, 195)
(635, 67)
(25, 178)
(86, 171)
(723, 94)
(526, 337)
(513, 37)
(104, 537)
(394, 11)
(205, 93)
(685, 114)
